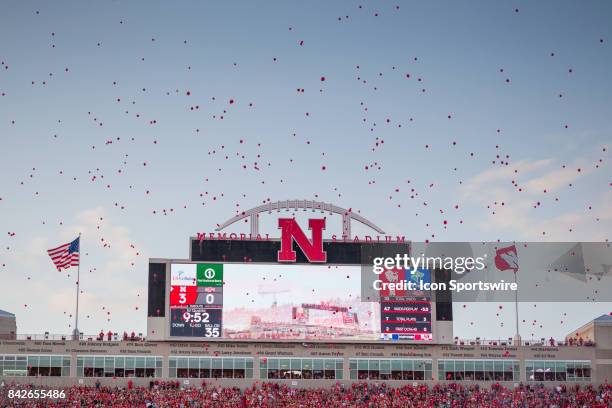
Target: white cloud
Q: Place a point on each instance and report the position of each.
(502, 174)
(514, 210)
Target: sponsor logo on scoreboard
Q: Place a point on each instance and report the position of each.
(184, 276)
(209, 275)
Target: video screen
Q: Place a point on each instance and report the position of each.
(289, 302)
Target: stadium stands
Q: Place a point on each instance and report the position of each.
(168, 394)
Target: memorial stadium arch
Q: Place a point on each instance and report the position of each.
(347, 215)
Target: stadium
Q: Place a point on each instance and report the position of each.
(202, 345)
(442, 237)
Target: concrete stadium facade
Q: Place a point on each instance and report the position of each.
(295, 363)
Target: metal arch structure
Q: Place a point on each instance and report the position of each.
(253, 214)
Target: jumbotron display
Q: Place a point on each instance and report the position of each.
(289, 302)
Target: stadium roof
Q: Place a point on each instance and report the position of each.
(4, 313)
(603, 318)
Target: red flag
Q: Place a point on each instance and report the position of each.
(507, 259)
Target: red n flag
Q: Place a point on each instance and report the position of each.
(507, 259)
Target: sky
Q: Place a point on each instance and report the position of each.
(139, 124)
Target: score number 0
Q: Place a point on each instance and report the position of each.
(209, 299)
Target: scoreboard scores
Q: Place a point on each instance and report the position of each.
(196, 300)
(406, 314)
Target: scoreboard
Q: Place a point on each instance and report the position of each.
(406, 318)
(235, 290)
(196, 300)
(406, 314)
(292, 302)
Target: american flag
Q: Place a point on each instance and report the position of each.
(66, 255)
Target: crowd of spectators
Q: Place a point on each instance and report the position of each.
(110, 336)
(442, 395)
(171, 395)
(579, 341)
(569, 342)
(157, 395)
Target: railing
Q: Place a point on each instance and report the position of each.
(64, 337)
(529, 342)
(457, 341)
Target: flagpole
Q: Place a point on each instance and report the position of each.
(78, 282)
(517, 339)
